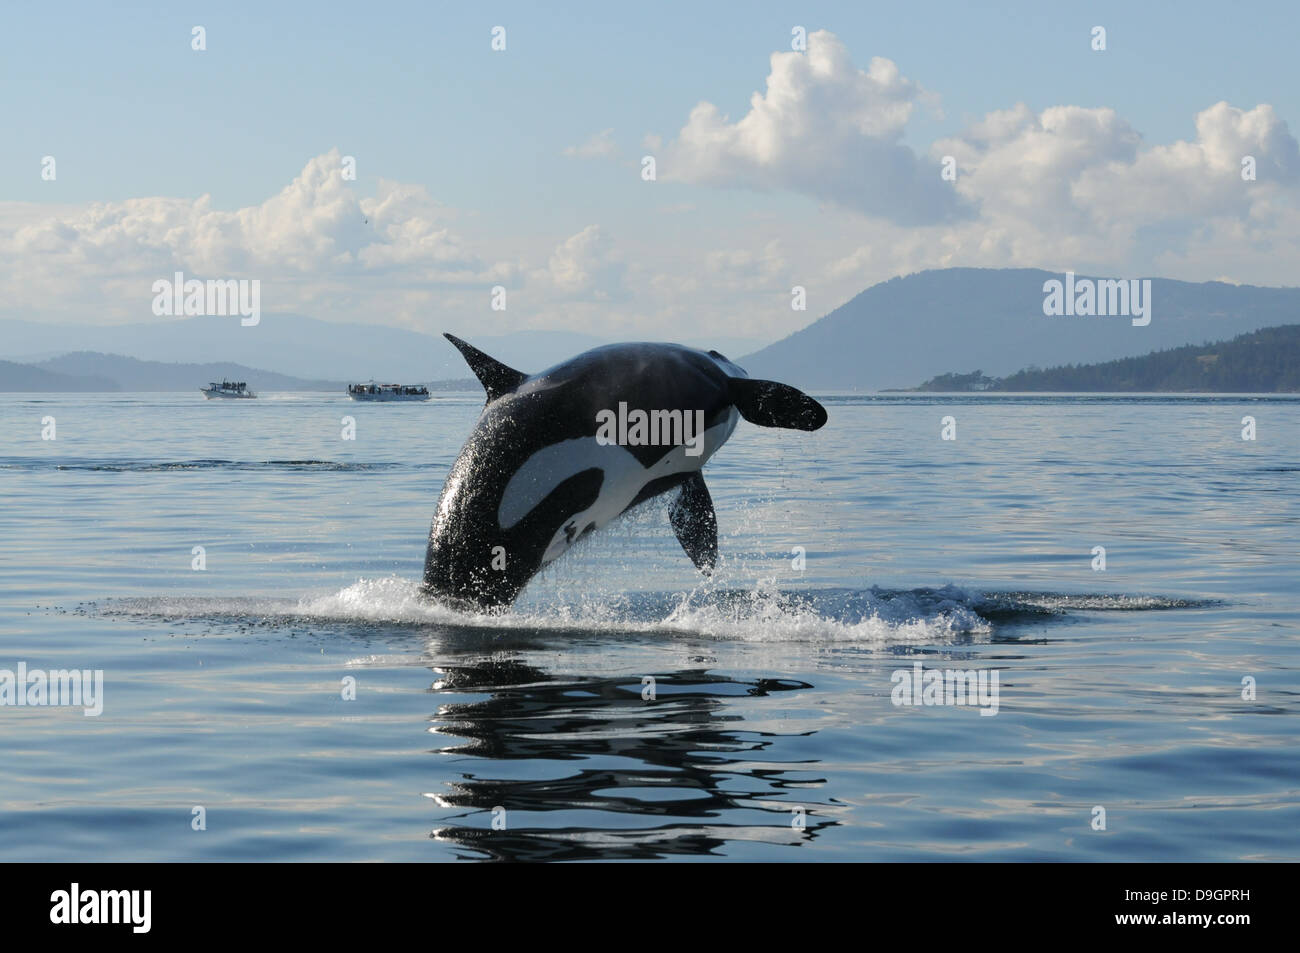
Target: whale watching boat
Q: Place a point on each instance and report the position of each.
(385, 392)
(230, 389)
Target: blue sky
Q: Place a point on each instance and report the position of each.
(414, 92)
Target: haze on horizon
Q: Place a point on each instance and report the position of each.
(523, 167)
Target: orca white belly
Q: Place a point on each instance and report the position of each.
(624, 477)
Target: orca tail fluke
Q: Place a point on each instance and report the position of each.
(770, 404)
(496, 378)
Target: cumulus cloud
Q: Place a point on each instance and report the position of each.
(1024, 164)
(316, 227)
(824, 128)
(1073, 166)
(1190, 181)
(1063, 187)
(586, 264)
(1074, 184)
(315, 222)
(1068, 185)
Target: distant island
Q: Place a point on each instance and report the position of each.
(91, 371)
(893, 334)
(906, 330)
(1261, 362)
(30, 379)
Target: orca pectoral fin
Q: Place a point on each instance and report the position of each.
(496, 378)
(695, 523)
(770, 404)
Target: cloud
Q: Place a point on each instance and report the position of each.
(1066, 186)
(748, 267)
(586, 264)
(1077, 186)
(1085, 169)
(599, 146)
(315, 222)
(823, 128)
(316, 228)
(1189, 181)
(1021, 164)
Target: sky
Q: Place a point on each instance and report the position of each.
(522, 168)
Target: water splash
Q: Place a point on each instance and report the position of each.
(763, 613)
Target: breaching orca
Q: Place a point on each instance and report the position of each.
(558, 454)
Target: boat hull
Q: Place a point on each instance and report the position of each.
(388, 398)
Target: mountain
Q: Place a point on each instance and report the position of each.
(129, 374)
(292, 344)
(24, 378)
(305, 347)
(1261, 362)
(909, 329)
(891, 335)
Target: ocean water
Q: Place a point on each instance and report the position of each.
(294, 700)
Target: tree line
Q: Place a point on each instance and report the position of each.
(1264, 361)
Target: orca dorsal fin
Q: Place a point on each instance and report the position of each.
(496, 378)
(770, 404)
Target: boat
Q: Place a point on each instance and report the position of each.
(228, 389)
(386, 392)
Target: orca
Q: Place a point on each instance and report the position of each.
(545, 465)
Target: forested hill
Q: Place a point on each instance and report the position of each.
(1265, 361)
(905, 330)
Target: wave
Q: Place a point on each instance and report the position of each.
(1056, 603)
(764, 613)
